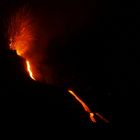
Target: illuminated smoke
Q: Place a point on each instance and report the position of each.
(21, 33)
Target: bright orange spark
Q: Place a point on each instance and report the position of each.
(86, 108)
(29, 70)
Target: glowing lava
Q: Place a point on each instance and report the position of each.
(29, 70)
(21, 34)
(102, 118)
(86, 108)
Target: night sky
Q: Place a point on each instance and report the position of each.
(95, 42)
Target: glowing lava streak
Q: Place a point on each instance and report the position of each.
(86, 108)
(29, 70)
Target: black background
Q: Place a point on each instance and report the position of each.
(106, 61)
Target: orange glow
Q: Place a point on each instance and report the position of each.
(102, 118)
(22, 35)
(29, 70)
(86, 108)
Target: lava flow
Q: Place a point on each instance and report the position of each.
(29, 69)
(86, 108)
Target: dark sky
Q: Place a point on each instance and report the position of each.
(103, 37)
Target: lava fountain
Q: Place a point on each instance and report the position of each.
(21, 35)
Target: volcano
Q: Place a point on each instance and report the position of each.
(96, 49)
